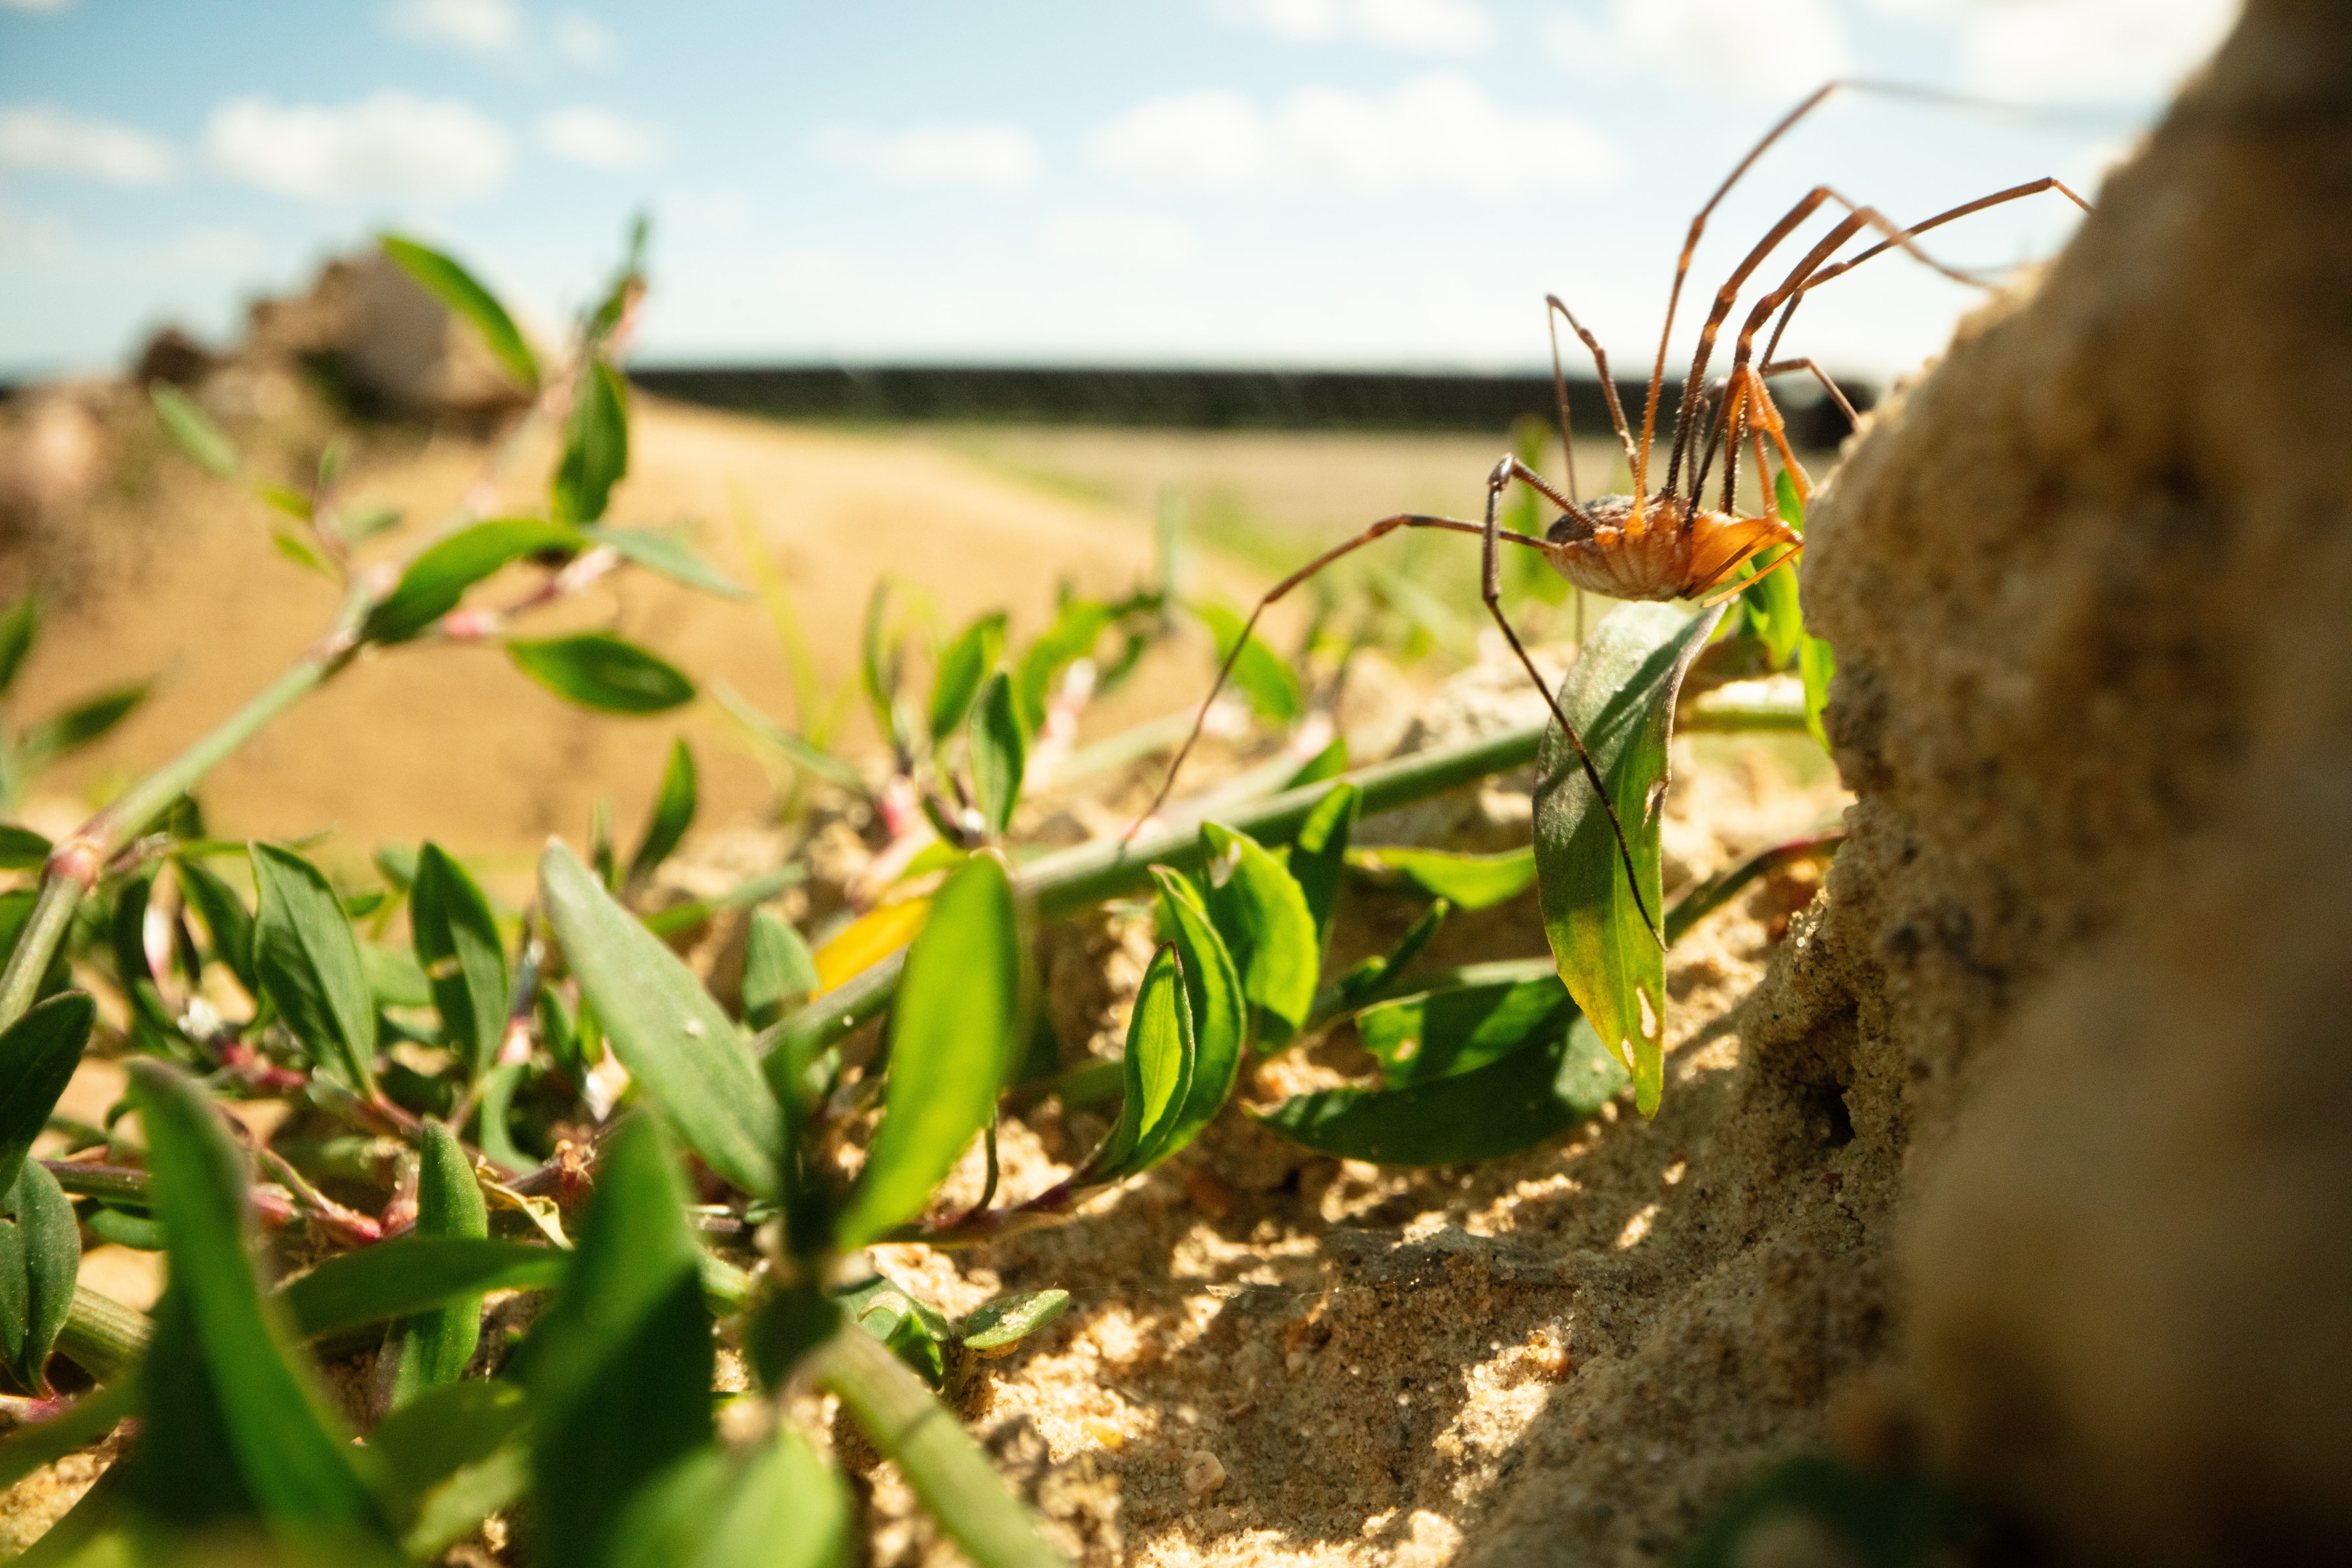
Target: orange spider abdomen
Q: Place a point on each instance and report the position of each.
(1673, 554)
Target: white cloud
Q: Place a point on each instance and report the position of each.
(600, 139)
(1000, 158)
(2048, 50)
(1773, 47)
(1424, 26)
(46, 139)
(478, 26)
(392, 143)
(1131, 239)
(1437, 132)
(585, 42)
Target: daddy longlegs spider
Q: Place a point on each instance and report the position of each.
(1664, 545)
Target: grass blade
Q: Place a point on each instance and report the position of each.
(956, 1035)
(776, 1506)
(1621, 696)
(672, 1037)
(412, 1275)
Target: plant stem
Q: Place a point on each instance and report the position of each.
(946, 1470)
(78, 862)
(1719, 889)
(101, 1335)
(1059, 886)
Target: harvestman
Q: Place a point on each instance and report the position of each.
(1667, 545)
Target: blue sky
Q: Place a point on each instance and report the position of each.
(1290, 182)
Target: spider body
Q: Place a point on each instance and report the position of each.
(1662, 551)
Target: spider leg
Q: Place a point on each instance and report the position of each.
(1379, 530)
(1490, 589)
(1782, 367)
(1552, 306)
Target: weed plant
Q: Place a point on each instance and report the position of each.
(549, 1101)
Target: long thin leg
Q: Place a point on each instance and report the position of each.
(1379, 530)
(2014, 193)
(1600, 362)
(1784, 366)
(1490, 589)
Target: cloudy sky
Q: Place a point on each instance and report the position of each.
(1295, 181)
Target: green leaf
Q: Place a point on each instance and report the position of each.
(1261, 912)
(1162, 1057)
(393, 978)
(303, 552)
(359, 527)
(1845, 1514)
(1818, 662)
(1214, 1001)
(966, 663)
(667, 1031)
(412, 1274)
(443, 1430)
(955, 1036)
(233, 1422)
(596, 446)
(62, 734)
(40, 1256)
(194, 430)
(1327, 763)
(619, 1365)
(1465, 881)
(1442, 1034)
(1004, 1322)
(22, 849)
(915, 1333)
(118, 1227)
(457, 943)
(1511, 1103)
(308, 962)
(1621, 696)
(456, 288)
(673, 814)
(434, 1347)
(1071, 637)
(598, 670)
(1318, 853)
(278, 498)
(999, 753)
(20, 624)
(1273, 689)
(436, 579)
(779, 971)
(225, 917)
(775, 1506)
(665, 555)
(38, 1054)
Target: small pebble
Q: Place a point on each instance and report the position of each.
(1202, 1472)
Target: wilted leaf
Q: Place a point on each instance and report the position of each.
(597, 670)
(1320, 852)
(1000, 1324)
(673, 814)
(673, 1037)
(1621, 696)
(456, 288)
(1465, 881)
(1160, 1062)
(962, 667)
(1513, 1102)
(775, 1506)
(308, 962)
(233, 1422)
(193, 430)
(1262, 914)
(665, 555)
(619, 1365)
(433, 584)
(999, 753)
(954, 1036)
(434, 1347)
(779, 973)
(457, 943)
(1273, 689)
